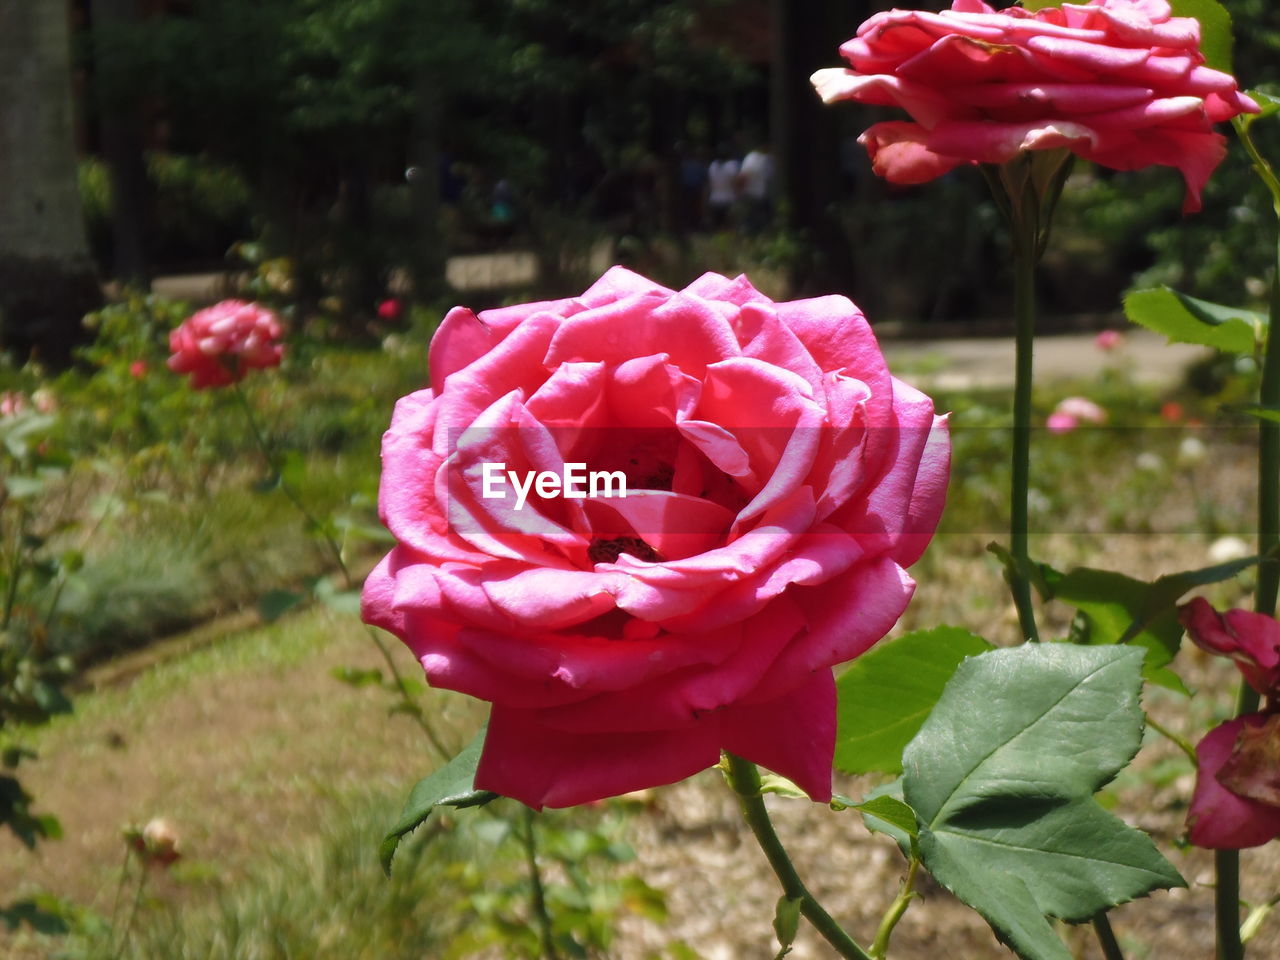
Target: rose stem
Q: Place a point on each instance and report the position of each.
(745, 780)
(1106, 937)
(880, 946)
(1227, 862)
(537, 894)
(410, 705)
(1024, 308)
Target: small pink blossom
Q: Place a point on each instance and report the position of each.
(138, 369)
(1059, 422)
(12, 403)
(220, 344)
(1108, 340)
(1082, 409)
(390, 309)
(1071, 412)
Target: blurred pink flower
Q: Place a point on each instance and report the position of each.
(1082, 409)
(1059, 422)
(1071, 412)
(390, 309)
(220, 344)
(138, 369)
(12, 403)
(1108, 340)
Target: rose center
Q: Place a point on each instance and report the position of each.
(608, 551)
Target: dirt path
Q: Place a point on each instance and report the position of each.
(240, 746)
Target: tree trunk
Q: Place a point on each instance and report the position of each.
(47, 281)
(120, 124)
(806, 136)
(429, 257)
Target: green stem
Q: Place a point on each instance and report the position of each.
(402, 688)
(273, 465)
(1269, 458)
(133, 913)
(538, 896)
(745, 780)
(1182, 743)
(1106, 937)
(1024, 304)
(1227, 862)
(880, 946)
(1226, 904)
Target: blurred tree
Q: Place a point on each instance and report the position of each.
(47, 281)
(119, 91)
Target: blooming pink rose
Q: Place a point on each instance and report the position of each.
(390, 309)
(1118, 82)
(220, 344)
(778, 481)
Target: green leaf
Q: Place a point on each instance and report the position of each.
(449, 786)
(885, 695)
(786, 923)
(1268, 105)
(274, 604)
(343, 601)
(896, 825)
(23, 488)
(1215, 29)
(1167, 590)
(1004, 794)
(357, 677)
(1185, 319)
(1034, 5)
(892, 811)
(1270, 414)
(1108, 604)
(33, 913)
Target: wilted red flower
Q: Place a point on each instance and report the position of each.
(220, 344)
(1237, 797)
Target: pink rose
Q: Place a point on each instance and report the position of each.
(777, 479)
(12, 403)
(1108, 340)
(1069, 413)
(1119, 82)
(220, 344)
